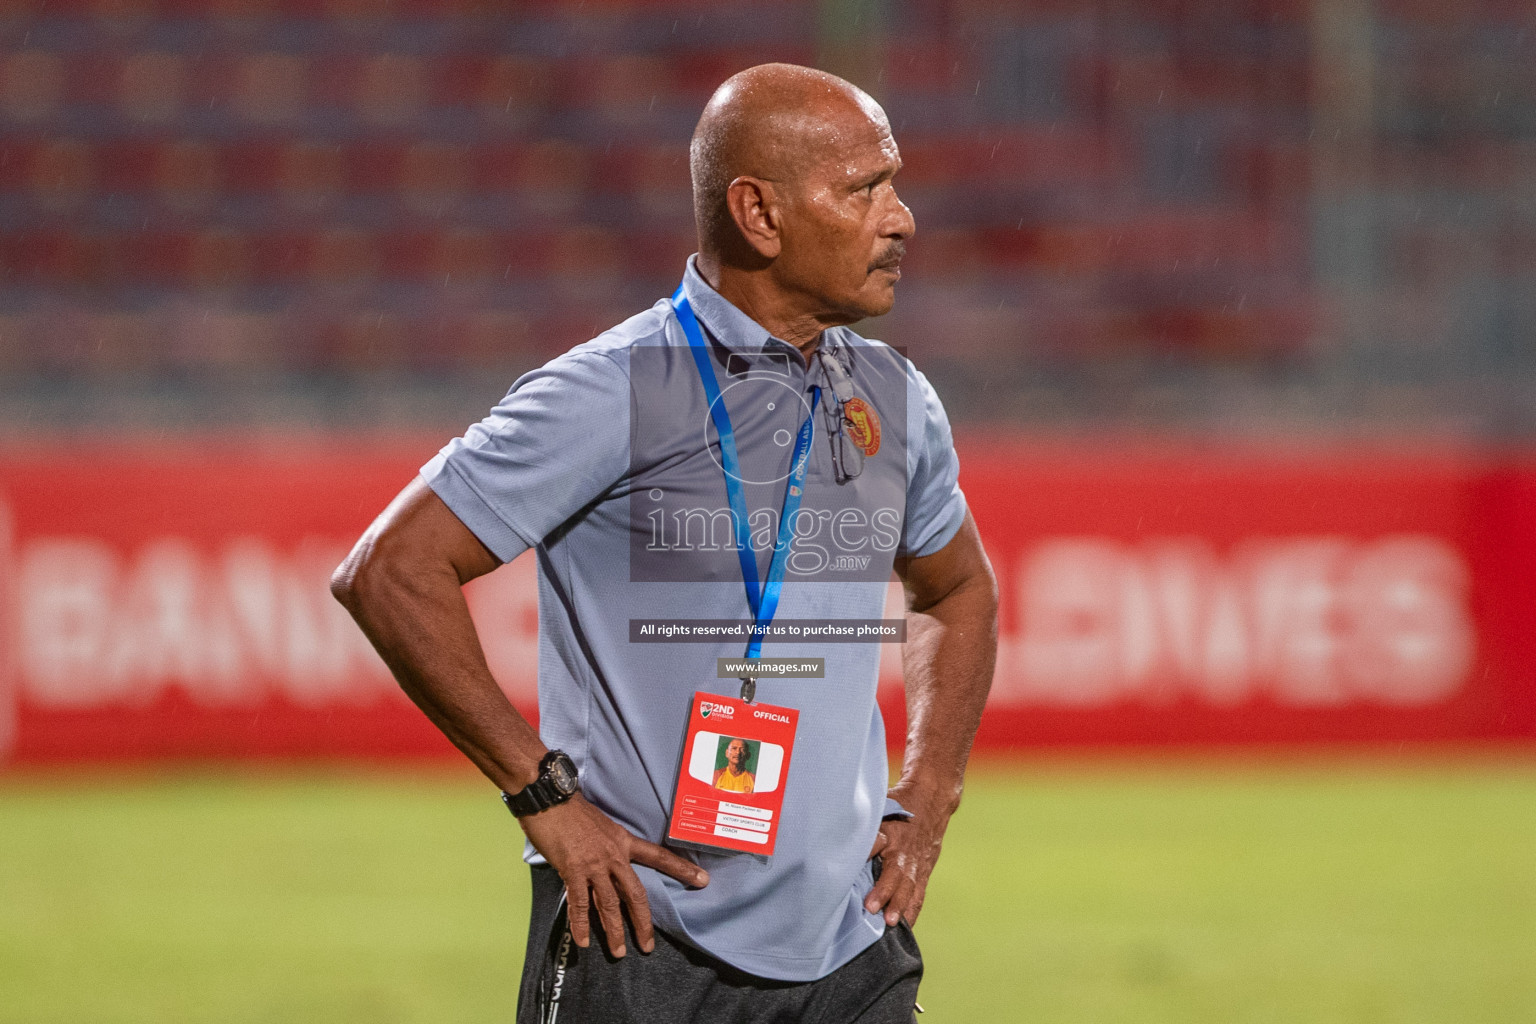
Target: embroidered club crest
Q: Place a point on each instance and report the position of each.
(862, 424)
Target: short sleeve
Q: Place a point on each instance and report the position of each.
(935, 503)
(557, 441)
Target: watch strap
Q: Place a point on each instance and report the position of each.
(542, 793)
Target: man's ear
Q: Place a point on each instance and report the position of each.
(754, 207)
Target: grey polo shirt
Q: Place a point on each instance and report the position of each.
(606, 463)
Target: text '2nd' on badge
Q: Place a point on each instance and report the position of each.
(730, 787)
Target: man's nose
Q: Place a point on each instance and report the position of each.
(901, 223)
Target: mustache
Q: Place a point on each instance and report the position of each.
(892, 257)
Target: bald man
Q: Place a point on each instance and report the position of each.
(674, 468)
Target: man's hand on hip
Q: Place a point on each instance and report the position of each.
(948, 658)
(593, 853)
(908, 849)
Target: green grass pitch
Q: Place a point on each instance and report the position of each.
(1087, 891)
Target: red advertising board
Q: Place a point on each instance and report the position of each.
(1197, 597)
(172, 602)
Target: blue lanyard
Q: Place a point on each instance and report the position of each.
(764, 599)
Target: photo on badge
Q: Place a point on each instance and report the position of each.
(735, 764)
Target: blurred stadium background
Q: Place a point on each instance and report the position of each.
(1266, 218)
(1233, 305)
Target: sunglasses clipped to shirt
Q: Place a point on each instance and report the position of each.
(847, 456)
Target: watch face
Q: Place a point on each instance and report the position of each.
(563, 775)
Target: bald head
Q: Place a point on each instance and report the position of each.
(799, 223)
(774, 122)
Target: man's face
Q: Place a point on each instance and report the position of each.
(844, 229)
(736, 753)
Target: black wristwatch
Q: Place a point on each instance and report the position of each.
(557, 783)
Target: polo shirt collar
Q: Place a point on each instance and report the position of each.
(730, 326)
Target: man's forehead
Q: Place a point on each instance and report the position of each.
(851, 141)
(872, 110)
(852, 126)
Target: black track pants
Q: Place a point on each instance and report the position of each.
(566, 985)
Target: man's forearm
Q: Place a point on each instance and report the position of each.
(948, 659)
(416, 617)
(948, 662)
(403, 583)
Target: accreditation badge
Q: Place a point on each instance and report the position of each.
(730, 787)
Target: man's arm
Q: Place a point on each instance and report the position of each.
(948, 660)
(402, 583)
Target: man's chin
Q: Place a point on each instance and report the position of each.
(882, 301)
(873, 301)
(879, 294)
